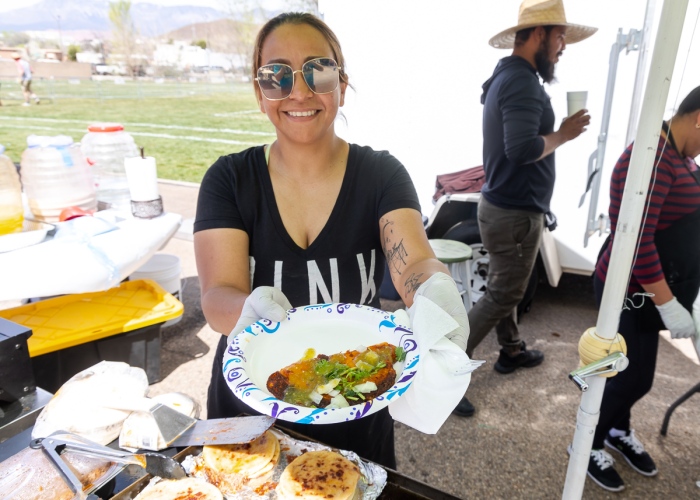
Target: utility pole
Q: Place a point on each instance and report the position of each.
(208, 49)
(60, 36)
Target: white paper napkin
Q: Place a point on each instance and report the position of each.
(444, 371)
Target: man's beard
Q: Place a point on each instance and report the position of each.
(545, 67)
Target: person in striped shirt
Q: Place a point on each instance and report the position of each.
(664, 282)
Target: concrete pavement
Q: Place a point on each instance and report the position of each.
(515, 445)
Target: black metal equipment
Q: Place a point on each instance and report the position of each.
(16, 374)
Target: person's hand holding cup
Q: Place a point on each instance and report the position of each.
(578, 118)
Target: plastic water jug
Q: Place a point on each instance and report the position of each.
(55, 175)
(105, 146)
(11, 207)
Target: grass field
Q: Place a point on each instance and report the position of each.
(186, 127)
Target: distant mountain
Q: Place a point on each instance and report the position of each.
(150, 19)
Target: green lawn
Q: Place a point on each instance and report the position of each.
(186, 127)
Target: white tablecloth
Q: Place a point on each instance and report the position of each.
(79, 263)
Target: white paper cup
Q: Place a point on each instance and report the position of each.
(142, 177)
(576, 101)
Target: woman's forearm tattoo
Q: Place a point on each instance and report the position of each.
(396, 254)
(413, 282)
(394, 251)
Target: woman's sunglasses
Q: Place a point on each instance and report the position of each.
(277, 80)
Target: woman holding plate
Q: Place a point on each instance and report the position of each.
(309, 219)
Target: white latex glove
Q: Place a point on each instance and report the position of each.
(266, 302)
(677, 319)
(442, 291)
(696, 320)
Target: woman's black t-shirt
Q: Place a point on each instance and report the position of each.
(344, 263)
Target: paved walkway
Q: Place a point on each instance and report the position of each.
(515, 445)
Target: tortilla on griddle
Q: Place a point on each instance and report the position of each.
(180, 489)
(232, 466)
(319, 475)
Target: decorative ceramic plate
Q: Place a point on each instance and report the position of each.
(266, 346)
(33, 232)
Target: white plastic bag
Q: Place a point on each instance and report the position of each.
(76, 407)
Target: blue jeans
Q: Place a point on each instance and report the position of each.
(512, 238)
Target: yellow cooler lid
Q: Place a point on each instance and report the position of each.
(76, 319)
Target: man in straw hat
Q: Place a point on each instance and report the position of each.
(519, 142)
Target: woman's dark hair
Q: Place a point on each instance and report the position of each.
(691, 103)
(298, 18)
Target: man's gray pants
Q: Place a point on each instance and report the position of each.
(512, 238)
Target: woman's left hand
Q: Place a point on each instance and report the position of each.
(442, 291)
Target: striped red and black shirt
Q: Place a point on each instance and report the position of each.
(673, 193)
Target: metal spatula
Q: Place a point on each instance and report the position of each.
(219, 431)
(171, 423)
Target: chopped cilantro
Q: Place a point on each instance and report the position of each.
(400, 354)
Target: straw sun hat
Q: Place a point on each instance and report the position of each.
(541, 13)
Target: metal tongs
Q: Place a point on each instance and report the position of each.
(54, 445)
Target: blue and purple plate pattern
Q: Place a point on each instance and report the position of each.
(266, 346)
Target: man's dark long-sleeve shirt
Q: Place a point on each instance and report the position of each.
(517, 113)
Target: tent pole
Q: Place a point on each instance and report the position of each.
(627, 231)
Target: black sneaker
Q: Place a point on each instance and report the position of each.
(633, 452)
(464, 408)
(525, 359)
(602, 472)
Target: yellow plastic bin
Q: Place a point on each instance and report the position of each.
(73, 332)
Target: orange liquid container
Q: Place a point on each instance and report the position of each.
(55, 176)
(11, 207)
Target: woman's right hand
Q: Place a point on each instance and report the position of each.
(265, 302)
(677, 319)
